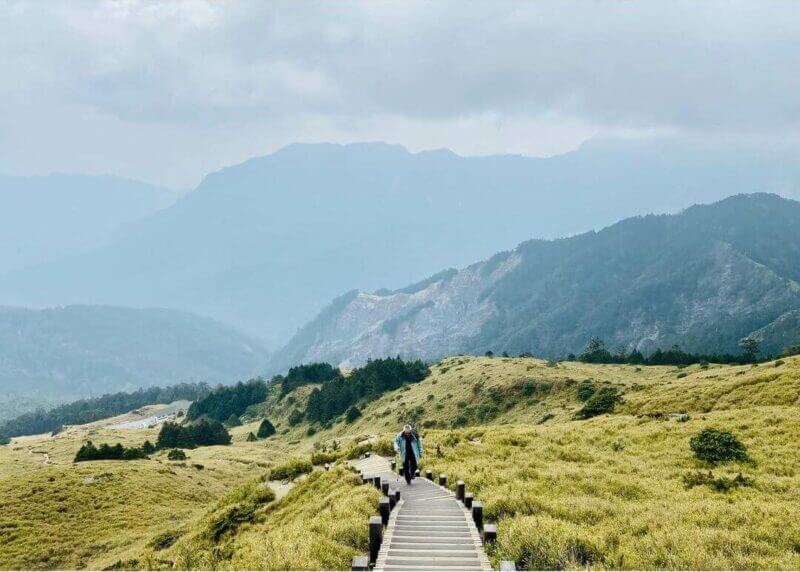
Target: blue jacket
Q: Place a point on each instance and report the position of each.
(416, 446)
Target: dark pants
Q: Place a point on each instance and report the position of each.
(410, 467)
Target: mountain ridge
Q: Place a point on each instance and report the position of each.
(703, 278)
(265, 244)
(82, 351)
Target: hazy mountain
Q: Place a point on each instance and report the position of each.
(81, 351)
(703, 278)
(46, 218)
(265, 244)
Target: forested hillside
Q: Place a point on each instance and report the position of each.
(704, 279)
(84, 351)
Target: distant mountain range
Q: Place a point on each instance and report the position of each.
(43, 219)
(264, 245)
(703, 278)
(83, 351)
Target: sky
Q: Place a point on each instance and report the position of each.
(167, 92)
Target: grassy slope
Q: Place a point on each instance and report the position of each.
(94, 514)
(609, 492)
(606, 492)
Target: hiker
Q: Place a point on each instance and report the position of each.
(409, 444)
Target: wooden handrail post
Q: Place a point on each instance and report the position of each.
(429, 475)
(375, 537)
(384, 508)
(377, 482)
(360, 563)
(392, 500)
(477, 514)
(468, 498)
(443, 480)
(396, 496)
(460, 491)
(490, 533)
(385, 488)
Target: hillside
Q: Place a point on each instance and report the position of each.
(81, 351)
(703, 278)
(43, 219)
(607, 492)
(265, 244)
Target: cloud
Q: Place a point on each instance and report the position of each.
(175, 70)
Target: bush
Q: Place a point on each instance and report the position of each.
(106, 452)
(148, 447)
(681, 375)
(176, 455)
(266, 429)
(603, 401)
(322, 457)
(165, 540)
(290, 470)
(382, 447)
(585, 390)
(352, 414)
(716, 446)
(295, 417)
(233, 420)
(251, 437)
(199, 434)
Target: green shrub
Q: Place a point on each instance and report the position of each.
(165, 540)
(681, 375)
(322, 457)
(176, 455)
(352, 414)
(199, 434)
(290, 470)
(295, 417)
(265, 430)
(716, 446)
(603, 401)
(381, 447)
(585, 390)
(106, 452)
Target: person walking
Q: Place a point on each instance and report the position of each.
(409, 444)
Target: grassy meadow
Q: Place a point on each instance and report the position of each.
(619, 490)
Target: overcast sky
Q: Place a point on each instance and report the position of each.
(168, 91)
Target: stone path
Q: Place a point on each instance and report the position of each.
(429, 529)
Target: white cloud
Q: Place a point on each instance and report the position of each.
(166, 91)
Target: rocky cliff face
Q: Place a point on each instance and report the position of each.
(702, 279)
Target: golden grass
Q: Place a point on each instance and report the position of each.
(604, 493)
(91, 515)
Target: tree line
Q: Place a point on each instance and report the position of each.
(339, 394)
(202, 433)
(225, 401)
(597, 352)
(88, 410)
(305, 374)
